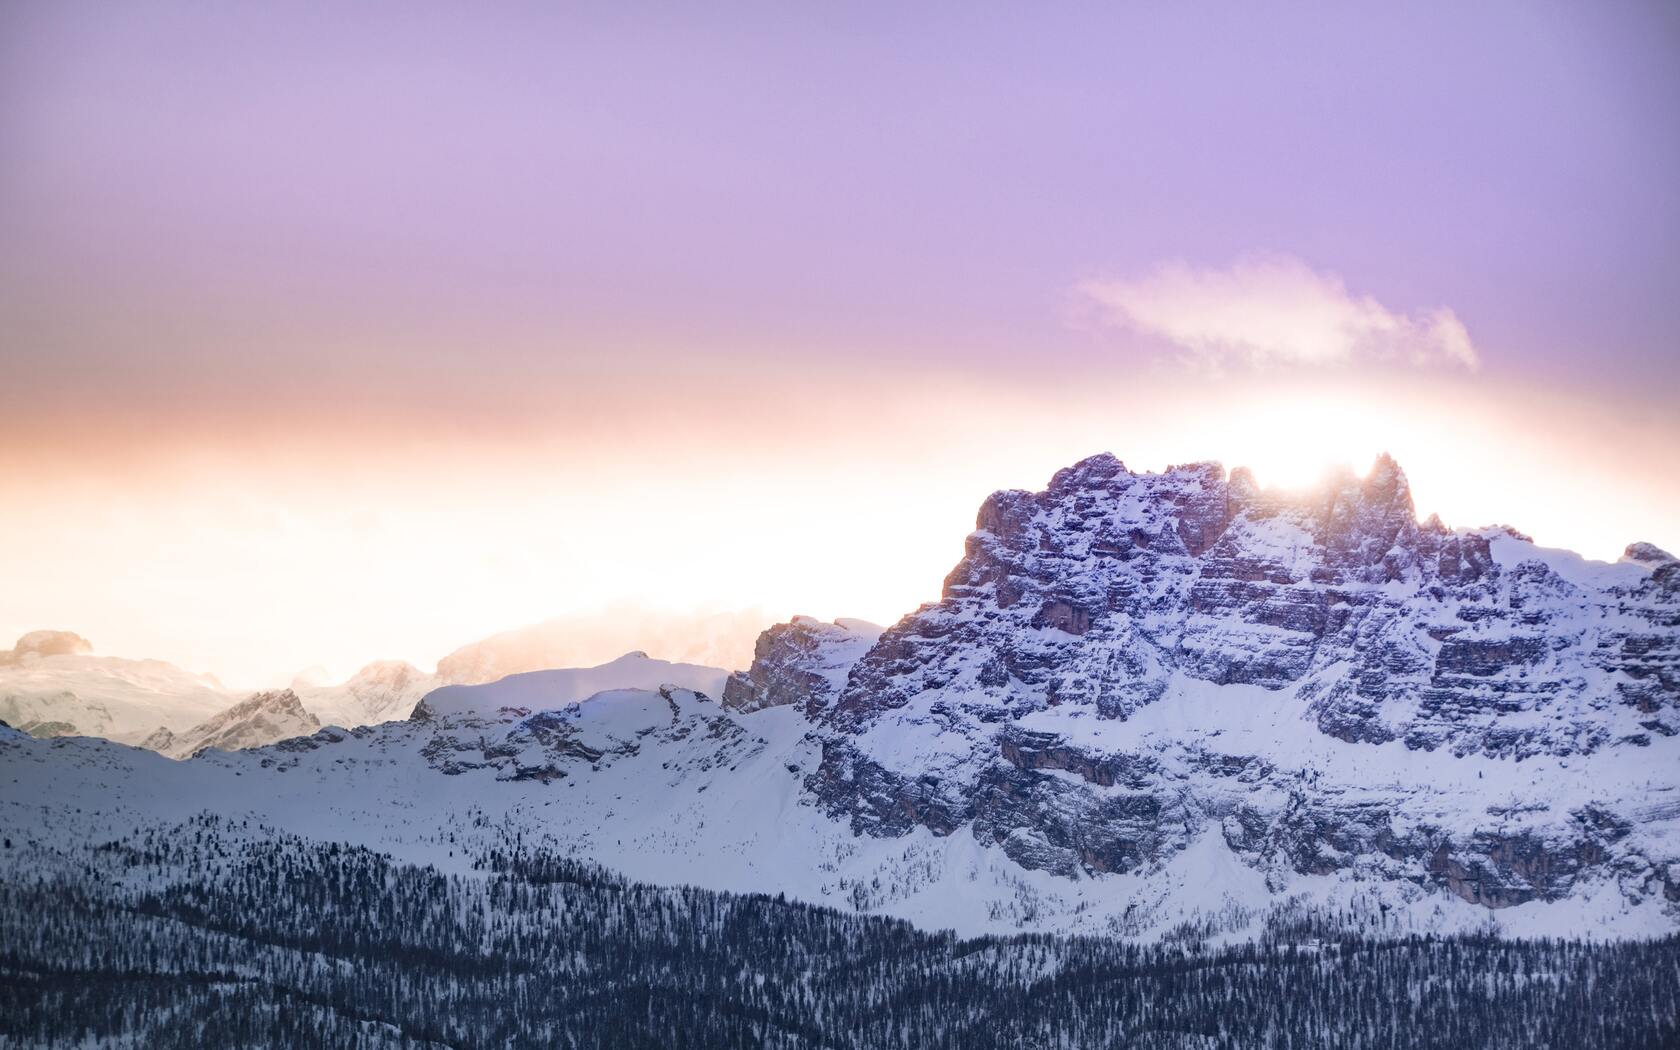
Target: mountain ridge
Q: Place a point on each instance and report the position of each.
(1144, 704)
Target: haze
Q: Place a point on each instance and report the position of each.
(332, 334)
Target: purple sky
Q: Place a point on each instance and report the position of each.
(295, 176)
(523, 224)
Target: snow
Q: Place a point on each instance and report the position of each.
(107, 695)
(1509, 552)
(547, 690)
(672, 801)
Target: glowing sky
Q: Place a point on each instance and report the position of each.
(330, 334)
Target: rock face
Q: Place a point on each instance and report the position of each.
(1098, 590)
(804, 662)
(1122, 662)
(607, 728)
(260, 720)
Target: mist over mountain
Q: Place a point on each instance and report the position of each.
(1173, 709)
(721, 639)
(52, 683)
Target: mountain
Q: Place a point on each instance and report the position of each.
(722, 639)
(52, 684)
(1125, 665)
(804, 662)
(260, 719)
(553, 689)
(381, 691)
(1172, 707)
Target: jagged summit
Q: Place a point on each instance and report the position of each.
(1100, 588)
(262, 718)
(1119, 598)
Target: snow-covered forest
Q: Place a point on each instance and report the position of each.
(209, 936)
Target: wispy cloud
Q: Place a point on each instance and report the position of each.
(1273, 309)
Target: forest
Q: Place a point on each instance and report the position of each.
(205, 935)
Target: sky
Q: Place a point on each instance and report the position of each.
(338, 332)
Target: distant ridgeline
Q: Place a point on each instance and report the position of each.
(211, 935)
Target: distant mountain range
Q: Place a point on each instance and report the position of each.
(52, 683)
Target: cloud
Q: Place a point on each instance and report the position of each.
(1266, 310)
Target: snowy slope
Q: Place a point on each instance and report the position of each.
(668, 787)
(80, 693)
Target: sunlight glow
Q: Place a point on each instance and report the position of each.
(253, 564)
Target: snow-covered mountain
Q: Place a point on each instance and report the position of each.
(381, 691)
(804, 662)
(52, 684)
(1155, 705)
(1124, 664)
(260, 719)
(552, 689)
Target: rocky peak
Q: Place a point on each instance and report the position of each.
(1186, 599)
(1097, 590)
(1363, 520)
(804, 662)
(1094, 473)
(260, 719)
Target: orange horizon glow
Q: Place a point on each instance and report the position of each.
(253, 556)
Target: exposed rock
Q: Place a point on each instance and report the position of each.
(161, 740)
(551, 745)
(257, 721)
(1110, 592)
(1647, 554)
(804, 662)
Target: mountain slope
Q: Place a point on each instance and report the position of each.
(51, 683)
(260, 719)
(219, 934)
(1155, 706)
